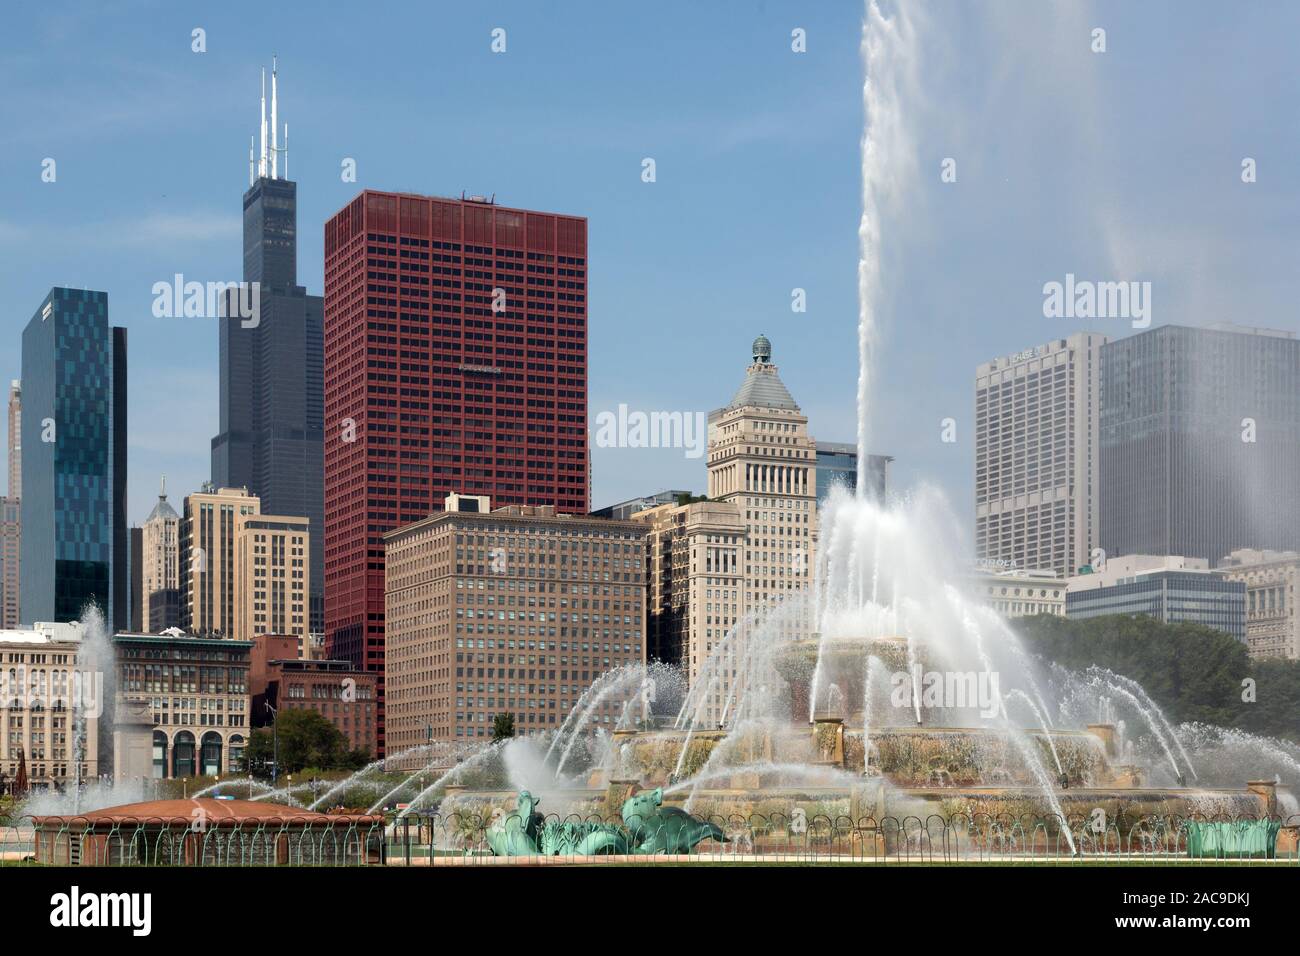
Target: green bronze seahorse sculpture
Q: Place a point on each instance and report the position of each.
(525, 832)
(649, 827)
(515, 833)
(654, 828)
(585, 838)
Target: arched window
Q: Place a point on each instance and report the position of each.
(159, 755)
(211, 754)
(183, 755)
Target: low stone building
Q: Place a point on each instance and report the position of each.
(1271, 577)
(208, 832)
(198, 691)
(1015, 593)
(41, 688)
(343, 695)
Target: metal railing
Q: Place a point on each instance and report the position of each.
(459, 839)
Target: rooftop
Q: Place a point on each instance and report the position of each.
(162, 509)
(133, 637)
(762, 387)
(43, 632)
(521, 516)
(211, 811)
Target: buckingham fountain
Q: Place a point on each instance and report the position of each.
(882, 693)
(885, 692)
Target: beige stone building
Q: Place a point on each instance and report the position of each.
(160, 576)
(516, 610)
(207, 555)
(762, 460)
(39, 693)
(197, 690)
(695, 556)
(1271, 577)
(273, 578)
(762, 486)
(15, 415)
(1020, 593)
(11, 525)
(11, 539)
(243, 573)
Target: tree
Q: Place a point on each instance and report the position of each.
(1275, 710)
(503, 726)
(306, 739)
(1194, 673)
(355, 759)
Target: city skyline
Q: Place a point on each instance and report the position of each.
(861, 434)
(795, 123)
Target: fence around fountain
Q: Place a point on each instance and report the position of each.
(460, 839)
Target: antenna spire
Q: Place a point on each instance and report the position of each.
(275, 123)
(267, 165)
(261, 163)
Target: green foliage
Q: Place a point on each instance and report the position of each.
(503, 726)
(1276, 710)
(306, 739)
(355, 759)
(1194, 673)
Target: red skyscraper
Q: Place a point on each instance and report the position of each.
(455, 360)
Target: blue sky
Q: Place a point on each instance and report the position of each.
(1121, 165)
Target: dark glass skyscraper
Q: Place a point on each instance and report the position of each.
(75, 538)
(1200, 442)
(271, 377)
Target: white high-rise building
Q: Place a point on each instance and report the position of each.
(1037, 478)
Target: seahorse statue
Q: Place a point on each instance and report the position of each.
(655, 828)
(515, 833)
(582, 839)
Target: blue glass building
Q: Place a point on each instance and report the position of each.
(837, 464)
(75, 537)
(1171, 597)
